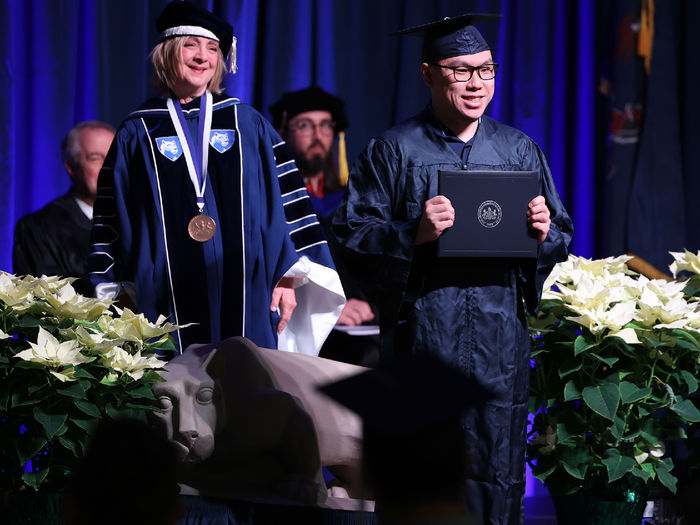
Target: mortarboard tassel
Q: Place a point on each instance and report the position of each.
(342, 160)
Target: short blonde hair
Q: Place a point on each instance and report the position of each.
(166, 57)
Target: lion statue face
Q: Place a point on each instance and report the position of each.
(192, 406)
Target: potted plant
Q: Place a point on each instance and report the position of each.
(65, 362)
(615, 363)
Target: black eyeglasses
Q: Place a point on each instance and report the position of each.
(307, 127)
(464, 73)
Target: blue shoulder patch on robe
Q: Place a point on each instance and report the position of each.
(170, 147)
(222, 139)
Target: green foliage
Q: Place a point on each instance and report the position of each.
(616, 362)
(66, 361)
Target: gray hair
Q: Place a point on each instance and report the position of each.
(70, 149)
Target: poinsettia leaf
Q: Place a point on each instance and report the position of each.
(629, 392)
(36, 478)
(109, 381)
(153, 376)
(569, 367)
(641, 473)
(33, 390)
(651, 342)
(71, 445)
(51, 422)
(683, 334)
(690, 381)
(19, 400)
(631, 434)
(578, 471)
(141, 390)
(651, 431)
(649, 467)
(610, 361)
(687, 345)
(618, 428)
(74, 389)
(88, 425)
(690, 290)
(575, 461)
(581, 345)
(28, 447)
(82, 373)
(62, 429)
(602, 399)
(113, 412)
(663, 472)
(537, 352)
(563, 434)
(544, 472)
(617, 465)
(165, 344)
(88, 408)
(27, 321)
(687, 410)
(571, 393)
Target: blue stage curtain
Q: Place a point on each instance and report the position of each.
(71, 60)
(652, 182)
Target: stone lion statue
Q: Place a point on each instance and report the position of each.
(248, 422)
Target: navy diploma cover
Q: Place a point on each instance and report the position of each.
(490, 213)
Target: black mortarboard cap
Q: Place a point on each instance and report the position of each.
(450, 37)
(309, 99)
(182, 18)
(408, 395)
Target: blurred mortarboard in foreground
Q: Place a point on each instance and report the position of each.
(450, 37)
(312, 98)
(182, 18)
(407, 396)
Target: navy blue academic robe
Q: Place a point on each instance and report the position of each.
(265, 223)
(470, 312)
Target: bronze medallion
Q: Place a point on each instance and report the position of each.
(201, 227)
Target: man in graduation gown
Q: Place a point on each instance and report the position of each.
(259, 225)
(55, 240)
(470, 312)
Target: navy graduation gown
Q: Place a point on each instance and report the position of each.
(470, 312)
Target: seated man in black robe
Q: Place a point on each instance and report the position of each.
(55, 240)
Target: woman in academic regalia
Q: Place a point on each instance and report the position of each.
(201, 214)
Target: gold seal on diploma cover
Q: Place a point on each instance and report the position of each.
(201, 227)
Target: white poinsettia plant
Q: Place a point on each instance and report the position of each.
(65, 362)
(614, 373)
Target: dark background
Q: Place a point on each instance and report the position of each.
(629, 182)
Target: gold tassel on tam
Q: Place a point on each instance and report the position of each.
(646, 34)
(343, 172)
